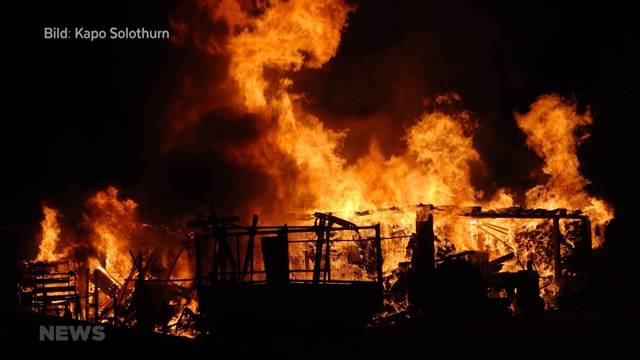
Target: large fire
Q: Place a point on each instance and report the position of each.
(269, 41)
(104, 243)
(112, 225)
(551, 126)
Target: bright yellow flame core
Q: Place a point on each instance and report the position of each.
(550, 126)
(50, 235)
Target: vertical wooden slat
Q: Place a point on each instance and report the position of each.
(378, 245)
(556, 240)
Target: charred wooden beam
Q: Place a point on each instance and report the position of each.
(54, 289)
(585, 245)
(556, 238)
(104, 282)
(198, 261)
(336, 220)
(47, 299)
(320, 233)
(423, 261)
(495, 265)
(327, 254)
(275, 251)
(202, 221)
(42, 272)
(96, 298)
(247, 267)
(378, 245)
(86, 292)
(225, 253)
(45, 281)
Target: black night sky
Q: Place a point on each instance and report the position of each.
(81, 116)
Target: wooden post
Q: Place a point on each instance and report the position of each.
(275, 251)
(378, 245)
(214, 260)
(86, 292)
(586, 235)
(556, 240)
(77, 307)
(96, 297)
(45, 303)
(586, 245)
(248, 257)
(423, 261)
(224, 252)
(140, 269)
(327, 254)
(224, 255)
(237, 270)
(318, 255)
(198, 263)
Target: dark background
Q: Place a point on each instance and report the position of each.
(81, 116)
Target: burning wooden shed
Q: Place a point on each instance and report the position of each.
(303, 277)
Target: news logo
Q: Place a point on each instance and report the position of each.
(66, 333)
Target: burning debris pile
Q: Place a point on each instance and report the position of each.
(223, 259)
(114, 268)
(547, 260)
(333, 269)
(305, 276)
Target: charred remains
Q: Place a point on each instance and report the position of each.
(311, 277)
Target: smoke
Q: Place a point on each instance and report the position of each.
(376, 74)
(394, 62)
(368, 94)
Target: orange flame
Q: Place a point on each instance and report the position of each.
(550, 126)
(50, 235)
(114, 226)
(301, 155)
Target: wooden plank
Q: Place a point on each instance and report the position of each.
(318, 255)
(248, 257)
(423, 264)
(53, 289)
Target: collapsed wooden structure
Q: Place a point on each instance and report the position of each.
(457, 285)
(308, 278)
(292, 278)
(51, 288)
